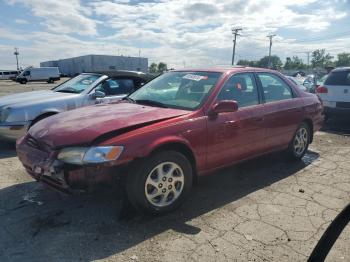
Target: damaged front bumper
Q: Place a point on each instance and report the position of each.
(41, 163)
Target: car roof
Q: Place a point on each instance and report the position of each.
(341, 69)
(233, 69)
(123, 73)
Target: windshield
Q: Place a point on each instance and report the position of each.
(185, 90)
(340, 78)
(77, 84)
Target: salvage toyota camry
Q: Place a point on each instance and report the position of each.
(179, 126)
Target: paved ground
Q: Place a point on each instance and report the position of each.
(266, 209)
(8, 87)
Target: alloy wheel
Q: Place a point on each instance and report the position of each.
(300, 141)
(164, 184)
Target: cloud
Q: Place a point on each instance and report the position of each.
(62, 16)
(197, 33)
(200, 11)
(21, 21)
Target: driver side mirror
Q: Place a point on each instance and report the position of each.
(98, 94)
(224, 106)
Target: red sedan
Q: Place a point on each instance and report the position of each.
(179, 126)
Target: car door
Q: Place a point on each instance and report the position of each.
(283, 110)
(234, 136)
(115, 89)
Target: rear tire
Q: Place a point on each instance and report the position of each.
(23, 82)
(300, 142)
(160, 183)
(50, 81)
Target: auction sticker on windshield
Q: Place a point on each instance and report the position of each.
(195, 77)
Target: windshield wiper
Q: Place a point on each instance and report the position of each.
(150, 103)
(129, 99)
(70, 90)
(67, 91)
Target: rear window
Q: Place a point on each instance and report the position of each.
(340, 78)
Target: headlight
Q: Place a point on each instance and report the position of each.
(4, 114)
(72, 155)
(92, 155)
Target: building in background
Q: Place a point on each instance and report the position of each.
(94, 63)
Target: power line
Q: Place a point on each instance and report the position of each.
(324, 37)
(235, 33)
(270, 37)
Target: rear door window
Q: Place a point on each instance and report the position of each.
(275, 89)
(339, 78)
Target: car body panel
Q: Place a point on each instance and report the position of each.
(281, 121)
(87, 124)
(213, 142)
(235, 136)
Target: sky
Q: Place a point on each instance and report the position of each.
(181, 33)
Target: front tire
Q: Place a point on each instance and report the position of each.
(300, 142)
(160, 183)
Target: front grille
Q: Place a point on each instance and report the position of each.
(343, 104)
(32, 142)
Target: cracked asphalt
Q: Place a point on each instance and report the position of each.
(267, 209)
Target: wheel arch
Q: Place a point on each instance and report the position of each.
(309, 122)
(42, 116)
(182, 148)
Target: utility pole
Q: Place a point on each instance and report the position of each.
(269, 63)
(308, 58)
(235, 33)
(16, 53)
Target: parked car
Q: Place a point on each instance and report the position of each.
(298, 82)
(335, 93)
(19, 112)
(310, 83)
(179, 126)
(47, 74)
(320, 81)
(8, 75)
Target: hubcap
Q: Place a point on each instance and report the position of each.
(300, 141)
(164, 184)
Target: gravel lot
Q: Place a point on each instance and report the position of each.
(266, 209)
(8, 87)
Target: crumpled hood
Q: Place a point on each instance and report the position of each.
(33, 97)
(84, 125)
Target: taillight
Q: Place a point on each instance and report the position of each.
(321, 90)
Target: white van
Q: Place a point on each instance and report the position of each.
(48, 74)
(8, 75)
